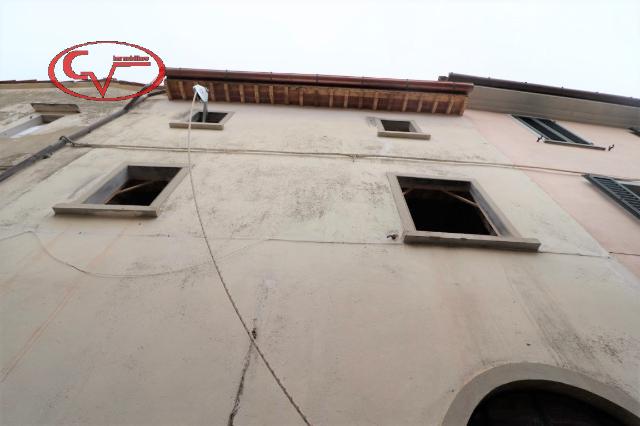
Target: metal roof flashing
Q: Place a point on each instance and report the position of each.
(557, 103)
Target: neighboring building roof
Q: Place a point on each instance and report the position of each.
(321, 90)
(34, 81)
(541, 89)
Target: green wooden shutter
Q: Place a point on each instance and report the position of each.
(623, 196)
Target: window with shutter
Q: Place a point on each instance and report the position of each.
(625, 194)
(552, 132)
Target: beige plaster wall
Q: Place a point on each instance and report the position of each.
(114, 321)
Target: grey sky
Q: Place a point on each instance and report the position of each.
(590, 45)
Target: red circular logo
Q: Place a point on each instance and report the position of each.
(143, 61)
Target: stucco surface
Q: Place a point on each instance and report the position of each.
(291, 128)
(124, 321)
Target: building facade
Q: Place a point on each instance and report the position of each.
(387, 252)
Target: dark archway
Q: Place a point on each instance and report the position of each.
(525, 376)
(533, 403)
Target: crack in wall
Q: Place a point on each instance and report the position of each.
(245, 367)
(261, 297)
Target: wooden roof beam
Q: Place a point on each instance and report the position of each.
(212, 92)
(241, 87)
(450, 106)
(463, 105)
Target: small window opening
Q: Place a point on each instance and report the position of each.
(436, 210)
(214, 120)
(133, 189)
(407, 129)
(31, 126)
(212, 117)
(135, 186)
(397, 126)
(446, 210)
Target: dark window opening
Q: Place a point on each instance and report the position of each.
(538, 408)
(129, 190)
(397, 126)
(452, 212)
(446, 210)
(134, 186)
(212, 117)
(46, 119)
(551, 130)
(138, 192)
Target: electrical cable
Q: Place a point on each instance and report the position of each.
(351, 156)
(254, 242)
(98, 274)
(224, 284)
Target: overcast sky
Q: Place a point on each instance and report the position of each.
(588, 44)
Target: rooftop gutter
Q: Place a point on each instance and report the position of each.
(540, 89)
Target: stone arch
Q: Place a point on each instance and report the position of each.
(606, 397)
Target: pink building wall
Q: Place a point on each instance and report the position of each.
(613, 227)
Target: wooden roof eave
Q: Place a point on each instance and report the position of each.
(411, 99)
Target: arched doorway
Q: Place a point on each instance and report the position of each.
(530, 394)
(525, 405)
